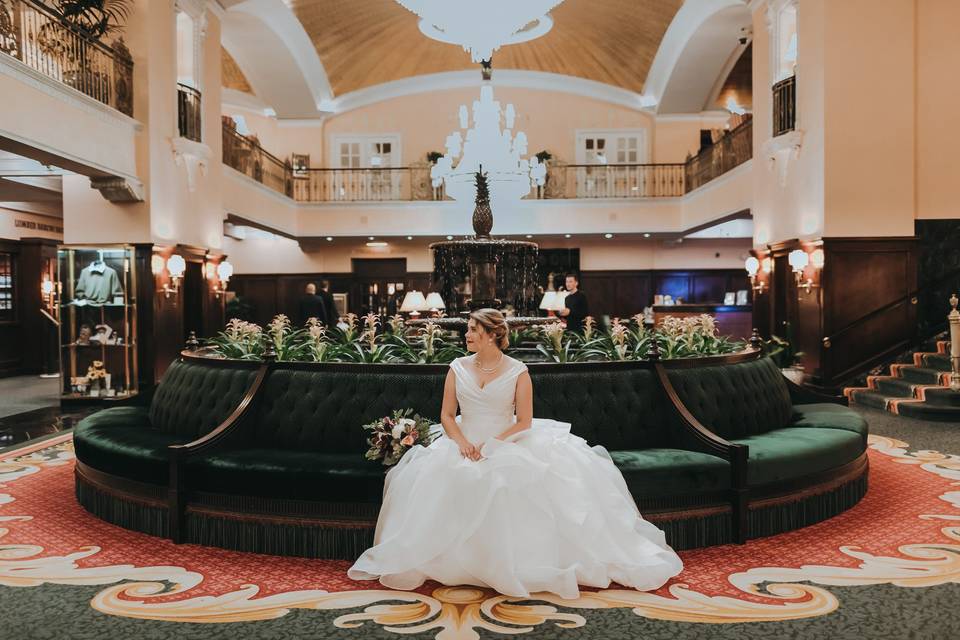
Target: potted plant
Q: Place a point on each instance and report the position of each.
(783, 352)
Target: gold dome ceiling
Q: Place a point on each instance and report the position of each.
(362, 43)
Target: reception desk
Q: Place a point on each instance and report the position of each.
(732, 320)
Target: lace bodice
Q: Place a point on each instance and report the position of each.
(486, 412)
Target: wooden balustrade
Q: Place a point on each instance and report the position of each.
(44, 40)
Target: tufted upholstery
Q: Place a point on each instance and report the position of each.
(736, 400)
(192, 399)
(325, 410)
(620, 409)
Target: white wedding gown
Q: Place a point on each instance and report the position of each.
(541, 511)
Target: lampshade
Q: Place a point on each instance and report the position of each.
(46, 287)
(549, 300)
(434, 301)
(799, 259)
(752, 265)
(767, 265)
(817, 258)
(224, 270)
(176, 265)
(413, 301)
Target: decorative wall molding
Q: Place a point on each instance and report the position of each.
(119, 190)
(780, 150)
(194, 156)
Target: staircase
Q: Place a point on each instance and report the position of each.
(920, 389)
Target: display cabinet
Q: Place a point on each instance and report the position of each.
(98, 321)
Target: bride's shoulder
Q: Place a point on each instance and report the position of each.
(516, 364)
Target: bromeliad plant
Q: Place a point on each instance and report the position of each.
(689, 337)
(241, 340)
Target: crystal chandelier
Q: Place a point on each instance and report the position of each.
(482, 26)
(498, 152)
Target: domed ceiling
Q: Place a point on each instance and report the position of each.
(362, 43)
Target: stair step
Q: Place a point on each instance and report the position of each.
(941, 397)
(918, 375)
(868, 398)
(938, 361)
(927, 411)
(892, 387)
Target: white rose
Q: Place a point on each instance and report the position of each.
(408, 422)
(397, 432)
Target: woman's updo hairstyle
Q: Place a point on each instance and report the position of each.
(494, 325)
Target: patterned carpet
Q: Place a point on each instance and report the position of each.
(890, 567)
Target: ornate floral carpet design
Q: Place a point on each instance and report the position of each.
(891, 564)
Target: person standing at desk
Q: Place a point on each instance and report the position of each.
(311, 305)
(575, 304)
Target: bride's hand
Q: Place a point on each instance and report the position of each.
(469, 450)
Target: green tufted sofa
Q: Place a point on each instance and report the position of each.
(269, 457)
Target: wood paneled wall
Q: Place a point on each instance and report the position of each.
(611, 293)
(860, 311)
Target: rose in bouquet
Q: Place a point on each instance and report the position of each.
(393, 435)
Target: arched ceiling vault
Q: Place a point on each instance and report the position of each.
(338, 55)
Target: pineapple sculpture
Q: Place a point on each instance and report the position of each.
(482, 214)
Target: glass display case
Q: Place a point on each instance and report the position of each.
(98, 321)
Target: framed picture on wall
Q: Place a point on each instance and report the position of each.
(340, 300)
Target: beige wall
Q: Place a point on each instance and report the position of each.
(938, 95)
(280, 255)
(172, 212)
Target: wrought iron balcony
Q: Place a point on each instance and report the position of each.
(188, 112)
(44, 40)
(784, 106)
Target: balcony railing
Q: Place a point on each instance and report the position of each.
(42, 39)
(730, 151)
(784, 106)
(188, 112)
(371, 184)
(365, 185)
(247, 156)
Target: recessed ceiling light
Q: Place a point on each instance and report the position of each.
(329, 239)
(449, 237)
(529, 236)
(376, 244)
(608, 235)
(566, 235)
(409, 237)
(646, 235)
(370, 238)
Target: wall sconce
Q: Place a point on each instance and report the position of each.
(176, 265)
(224, 271)
(799, 260)
(752, 265)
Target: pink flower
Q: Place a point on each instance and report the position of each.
(408, 440)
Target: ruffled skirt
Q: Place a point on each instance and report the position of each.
(542, 511)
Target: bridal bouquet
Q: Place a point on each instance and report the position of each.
(392, 436)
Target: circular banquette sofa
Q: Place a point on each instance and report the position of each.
(269, 457)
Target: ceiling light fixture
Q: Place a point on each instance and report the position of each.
(608, 235)
(329, 239)
(498, 152)
(646, 235)
(482, 27)
(377, 244)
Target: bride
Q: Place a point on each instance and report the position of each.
(508, 501)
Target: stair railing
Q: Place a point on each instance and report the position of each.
(954, 319)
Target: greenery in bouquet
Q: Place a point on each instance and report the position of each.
(392, 436)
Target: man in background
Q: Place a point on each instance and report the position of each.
(311, 306)
(575, 304)
(328, 303)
